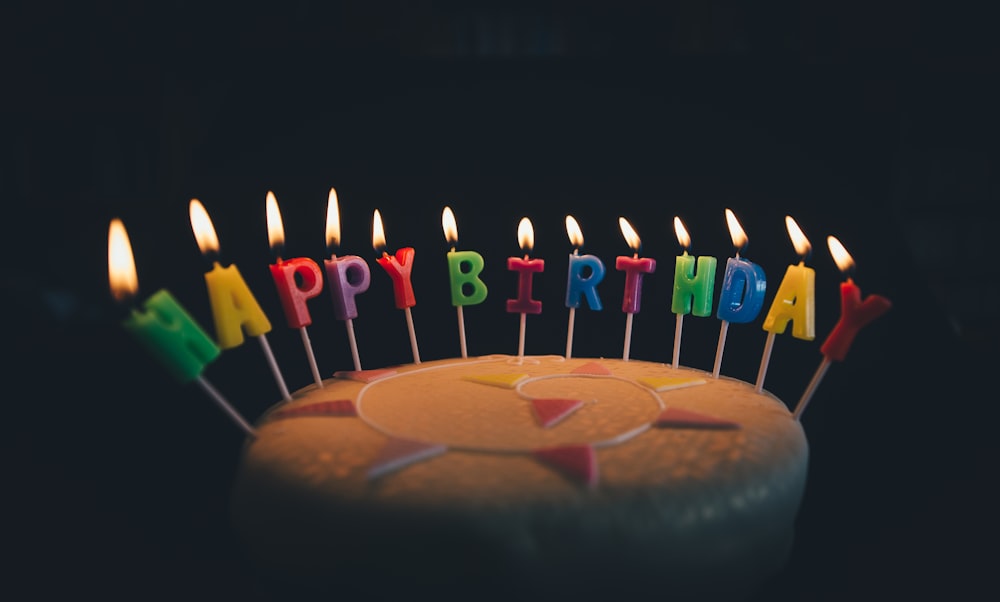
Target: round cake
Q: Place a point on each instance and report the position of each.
(507, 477)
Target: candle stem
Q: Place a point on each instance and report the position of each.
(349, 324)
(274, 368)
(228, 409)
(520, 336)
(312, 357)
(628, 336)
(413, 336)
(813, 384)
(461, 330)
(764, 360)
(677, 340)
(569, 331)
(723, 331)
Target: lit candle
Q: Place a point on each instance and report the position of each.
(234, 307)
(163, 327)
(464, 268)
(348, 276)
(855, 314)
(526, 269)
(585, 273)
(634, 268)
(297, 280)
(795, 300)
(692, 291)
(398, 268)
(743, 287)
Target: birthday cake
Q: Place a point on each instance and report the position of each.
(509, 477)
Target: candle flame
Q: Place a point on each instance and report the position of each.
(682, 234)
(736, 232)
(121, 264)
(841, 257)
(204, 231)
(525, 235)
(631, 237)
(574, 232)
(802, 245)
(449, 226)
(332, 220)
(378, 232)
(275, 227)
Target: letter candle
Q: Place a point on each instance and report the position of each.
(743, 286)
(348, 276)
(234, 307)
(794, 301)
(464, 268)
(855, 314)
(526, 269)
(585, 273)
(398, 267)
(692, 293)
(634, 267)
(164, 328)
(297, 281)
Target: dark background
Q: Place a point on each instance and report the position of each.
(875, 122)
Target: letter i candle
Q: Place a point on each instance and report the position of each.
(855, 314)
(743, 288)
(464, 268)
(585, 273)
(233, 305)
(795, 301)
(293, 292)
(634, 268)
(525, 269)
(398, 267)
(692, 292)
(348, 276)
(163, 327)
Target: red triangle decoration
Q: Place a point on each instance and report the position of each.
(678, 418)
(400, 453)
(578, 462)
(334, 407)
(592, 368)
(365, 376)
(551, 410)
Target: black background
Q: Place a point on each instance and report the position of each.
(874, 122)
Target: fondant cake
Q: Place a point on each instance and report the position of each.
(508, 477)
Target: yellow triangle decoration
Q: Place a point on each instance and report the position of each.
(506, 381)
(667, 383)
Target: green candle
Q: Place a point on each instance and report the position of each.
(169, 333)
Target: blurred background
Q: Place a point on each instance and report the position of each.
(874, 122)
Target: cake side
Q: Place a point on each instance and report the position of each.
(680, 506)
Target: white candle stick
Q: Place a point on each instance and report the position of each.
(274, 367)
(678, 327)
(520, 337)
(628, 336)
(413, 336)
(226, 407)
(569, 333)
(461, 330)
(765, 358)
(311, 356)
(813, 384)
(723, 330)
(349, 324)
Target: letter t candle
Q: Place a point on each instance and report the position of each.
(634, 268)
(855, 314)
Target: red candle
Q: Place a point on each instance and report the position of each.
(293, 292)
(526, 269)
(398, 267)
(855, 314)
(634, 268)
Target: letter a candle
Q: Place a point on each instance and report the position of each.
(634, 268)
(297, 281)
(464, 268)
(348, 276)
(855, 314)
(233, 305)
(585, 273)
(795, 300)
(163, 327)
(526, 269)
(398, 268)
